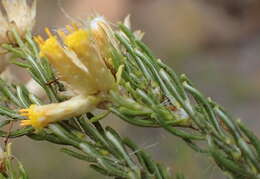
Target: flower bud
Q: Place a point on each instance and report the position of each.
(40, 116)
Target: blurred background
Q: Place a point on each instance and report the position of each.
(215, 42)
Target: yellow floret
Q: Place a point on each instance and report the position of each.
(51, 47)
(36, 117)
(78, 41)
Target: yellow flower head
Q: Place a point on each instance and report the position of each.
(80, 62)
(19, 15)
(91, 56)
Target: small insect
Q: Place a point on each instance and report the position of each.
(52, 82)
(172, 108)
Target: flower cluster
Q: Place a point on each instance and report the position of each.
(79, 57)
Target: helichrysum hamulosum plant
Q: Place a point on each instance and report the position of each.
(90, 65)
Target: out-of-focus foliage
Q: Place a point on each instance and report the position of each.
(10, 166)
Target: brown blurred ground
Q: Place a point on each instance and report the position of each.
(215, 42)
